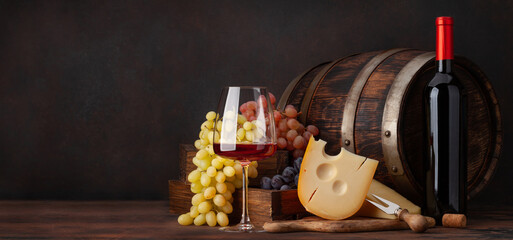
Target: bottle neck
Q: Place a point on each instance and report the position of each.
(444, 66)
(444, 39)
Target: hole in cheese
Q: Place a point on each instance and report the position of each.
(339, 187)
(326, 171)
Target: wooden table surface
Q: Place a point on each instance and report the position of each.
(151, 220)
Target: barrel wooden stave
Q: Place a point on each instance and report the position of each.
(326, 88)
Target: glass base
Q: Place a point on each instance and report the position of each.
(242, 227)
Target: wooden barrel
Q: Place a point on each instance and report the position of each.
(371, 104)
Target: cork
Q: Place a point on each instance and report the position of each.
(454, 220)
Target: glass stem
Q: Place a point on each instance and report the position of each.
(245, 213)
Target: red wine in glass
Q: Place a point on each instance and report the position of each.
(247, 152)
(247, 133)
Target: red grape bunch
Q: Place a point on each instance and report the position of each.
(292, 134)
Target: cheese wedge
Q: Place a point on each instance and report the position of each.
(333, 187)
(381, 190)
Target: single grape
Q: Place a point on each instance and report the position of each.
(204, 164)
(291, 135)
(211, 218)
(290, 112)
(211, 115)
(228, 171)
(288, 174)
(277, 181)
(204, 207)
(248, 126)
(216, 163)
(202, 154)
(250, 136)
(285, 187)
(211, 171)
(207, 125)
(219, 200)
(265, 183)
(220, 177)
(197, 144)
(299, 142)
(243, 107)
(252, 105)
(185, 219)
(205, 179)
(292, 123)
(199, 220)
(196, 187)
(238, 170)
(301, 129)
(307, 136)
(252, 172)
(227, 195)
(282, 143)
(197, 199)
(298, 153)
(194, 211)
(282, 125)
(221, 187)
(272, 98)
(227, 208)
(277, 116)
(222, 219)
(194, 176)
(241, 133)
(209, 193)
(312, 129)
(297, 163)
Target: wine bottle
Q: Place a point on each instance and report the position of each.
(445, 189)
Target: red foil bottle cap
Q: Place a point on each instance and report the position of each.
(444, 38)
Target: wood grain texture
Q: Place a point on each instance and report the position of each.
(327, 106)
(151, 220)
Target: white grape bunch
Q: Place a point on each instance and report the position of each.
(216, 178)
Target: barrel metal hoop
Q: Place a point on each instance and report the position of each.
(353, 96)
(307, 99)
(284, 99)
(392, 111)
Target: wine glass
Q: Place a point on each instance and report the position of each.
(247, 134)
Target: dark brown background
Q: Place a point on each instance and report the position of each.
(95, 96)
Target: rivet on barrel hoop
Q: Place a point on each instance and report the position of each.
(347, 142)
(387, 134)
(394, 169)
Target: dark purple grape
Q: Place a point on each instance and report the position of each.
(289, 173)
(265, 183)
(297, 163)
(277, 181)
(285, 187)
(296, 179)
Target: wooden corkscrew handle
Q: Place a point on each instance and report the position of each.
(416, 222)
